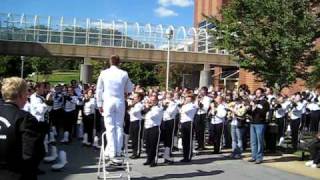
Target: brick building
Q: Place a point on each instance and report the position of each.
(204, 8)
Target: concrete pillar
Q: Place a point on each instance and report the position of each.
(205, 76)
(86, 71)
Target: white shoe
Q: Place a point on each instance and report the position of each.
(52, 139)
(166, 154)
(180, 144)
(281, 141)
(117, 160)
(85, 138)
(96, 142)
(62, 161)
(53, 155)
(314, 166)
(309, 163)
(65, 138)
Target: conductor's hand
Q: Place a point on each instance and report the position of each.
(101, 110)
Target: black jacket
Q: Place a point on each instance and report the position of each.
(19, 142)
(260, 112)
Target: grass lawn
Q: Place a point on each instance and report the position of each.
(57, 77)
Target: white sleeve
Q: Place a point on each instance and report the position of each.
(99, 91)
(128, 86)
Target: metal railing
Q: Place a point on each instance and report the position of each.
(34, 28)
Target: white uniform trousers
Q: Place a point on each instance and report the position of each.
(114, 110)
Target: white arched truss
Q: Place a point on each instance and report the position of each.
(88, 32)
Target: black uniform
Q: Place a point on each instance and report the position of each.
(20, 143)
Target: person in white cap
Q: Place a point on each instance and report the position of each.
(112, 87)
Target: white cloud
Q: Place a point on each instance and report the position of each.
(180, 3)
(164, 12)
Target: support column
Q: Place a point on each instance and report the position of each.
(86, 71)
(205, 76)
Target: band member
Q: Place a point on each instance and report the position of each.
(39, 107)
(203, 101)
(135, 112)
(260, 107)
(112, 87)
(187, 113)
(57, 110)
(237, 127)
(20, 135)
(153, 117)
(218, 115)
(88, 117)
(280, 109)
(314, 108)
(168, 125)
(315, 153)
(70, 116)
(295, 115)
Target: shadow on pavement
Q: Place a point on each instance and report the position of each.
(199, 173)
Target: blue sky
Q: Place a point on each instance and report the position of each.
(176, 12)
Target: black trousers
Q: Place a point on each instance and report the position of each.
(271, 139)
(69, 120)
(295, 124)
(281, 126)
(314, 121)
(315, 152)
(216, 133)
(199, 128)
(55, 117)
(186, 132)
(98, 123)
(88, 123)
(167, 132)
(135, 136)
(152, 137)
(227, 134)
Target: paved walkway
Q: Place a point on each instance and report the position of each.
(83, 165)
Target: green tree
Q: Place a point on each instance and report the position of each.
(11, 66)
(141, 73)
(271, 38)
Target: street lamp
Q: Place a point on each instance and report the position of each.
(22, 66)
(169, 33)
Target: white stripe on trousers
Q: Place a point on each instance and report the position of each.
(157, 149)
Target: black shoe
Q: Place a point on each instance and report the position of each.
(168, 162)
(258, 162)
(252, 160)
(153, 164)
(134, 157)
(147, 163)
(175, 149)
(185, 160)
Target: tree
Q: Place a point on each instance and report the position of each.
(271, 38)
(11, 66)
(141, 73)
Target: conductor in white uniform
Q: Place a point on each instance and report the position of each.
(112, 87)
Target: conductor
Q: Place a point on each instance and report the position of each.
(112, 87)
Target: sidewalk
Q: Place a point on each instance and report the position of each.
(290, 163)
